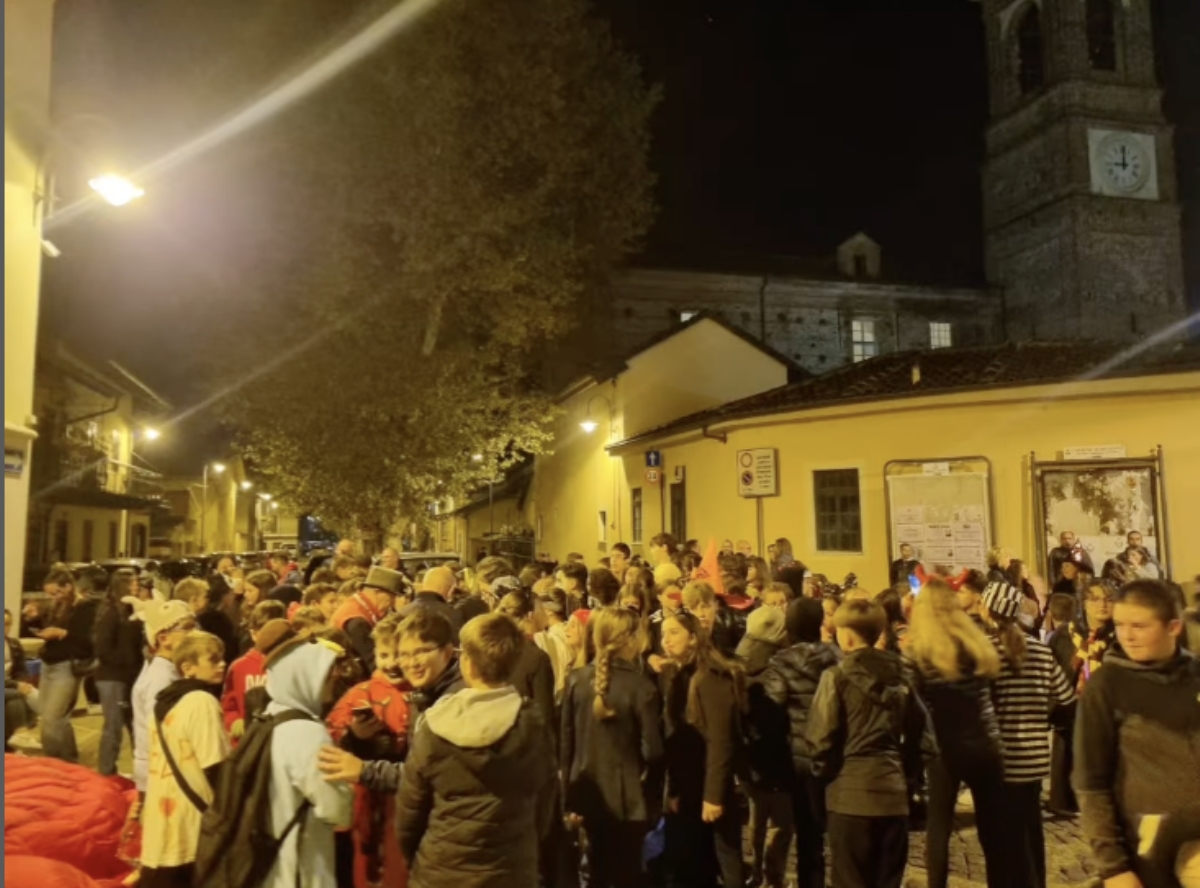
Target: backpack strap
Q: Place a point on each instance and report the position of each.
(184, 786)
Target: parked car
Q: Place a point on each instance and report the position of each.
(176, 569)
(415, 562)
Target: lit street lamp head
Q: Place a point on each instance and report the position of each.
(588, 425)
(246, 485)
(151, 434)
(116, 190)
(218, 467)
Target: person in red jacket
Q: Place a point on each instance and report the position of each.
(249, 671)
(372, 722)
(359, 614)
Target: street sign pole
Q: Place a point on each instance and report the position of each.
(762, 548)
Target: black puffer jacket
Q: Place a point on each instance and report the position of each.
(79, 621)
(870, 735)
(478, 793)
(790, 682)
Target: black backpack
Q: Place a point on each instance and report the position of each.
(237, 846)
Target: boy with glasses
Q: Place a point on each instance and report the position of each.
(426, 658)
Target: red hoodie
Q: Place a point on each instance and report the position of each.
(246, 672)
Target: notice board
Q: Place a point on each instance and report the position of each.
(943, 509)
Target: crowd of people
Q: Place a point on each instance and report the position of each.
(628, 723)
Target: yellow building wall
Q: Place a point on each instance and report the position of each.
(27, 37)
(77, 516)
(701, 367)
(1003, 426)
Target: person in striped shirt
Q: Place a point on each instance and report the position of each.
(1031, 692)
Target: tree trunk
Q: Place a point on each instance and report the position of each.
(433, 325)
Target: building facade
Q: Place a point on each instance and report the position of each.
(952, 451)
(93, 495)
(821, 314)
(28, 26)
(1081, 207)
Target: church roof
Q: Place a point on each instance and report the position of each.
(944, 371)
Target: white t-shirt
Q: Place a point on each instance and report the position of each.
(170, 822)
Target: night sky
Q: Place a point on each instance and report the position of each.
(786, 126)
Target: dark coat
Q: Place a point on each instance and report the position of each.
(964, 719)
(217, 622)
(1136, 755)
(605, 760)
(431, 601)
(470, 606)
(870, 735)
(120, 645)
(534, 680)
(790, 682)
(700, 762)
(472, 817)
(79, 623)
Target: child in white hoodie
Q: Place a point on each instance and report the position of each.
(301, 675)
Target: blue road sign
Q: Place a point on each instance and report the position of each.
(653, 459)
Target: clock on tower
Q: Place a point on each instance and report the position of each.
(1081, 223)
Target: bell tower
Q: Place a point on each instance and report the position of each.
(1081, 220)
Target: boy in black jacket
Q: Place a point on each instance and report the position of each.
(478, 790)
(870, 736)
(1137, 762)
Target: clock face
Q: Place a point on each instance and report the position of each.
(1123, 162)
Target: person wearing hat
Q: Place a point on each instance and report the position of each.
(1029, 695)
(361, 612)
(167, 623)
(789, 683)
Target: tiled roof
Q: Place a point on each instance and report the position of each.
(942, 371)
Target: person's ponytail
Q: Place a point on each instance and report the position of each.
(600, 706)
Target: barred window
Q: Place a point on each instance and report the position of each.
(838, 510)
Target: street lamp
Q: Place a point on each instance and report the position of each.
(115, 190)
(246, 485)
(217, 468)
(151, 434)
(590, 425)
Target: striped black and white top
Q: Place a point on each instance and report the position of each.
(1024, 702)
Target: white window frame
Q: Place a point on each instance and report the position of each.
(863, 341)
(941, 334)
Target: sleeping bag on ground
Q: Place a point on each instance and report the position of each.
(63, 812)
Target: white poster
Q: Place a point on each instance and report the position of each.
(913, 534)
(910, 515)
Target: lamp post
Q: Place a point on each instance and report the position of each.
(217, 468)
(590, 425)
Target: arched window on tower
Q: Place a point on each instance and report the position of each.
(1031, 59)
(1101, 35)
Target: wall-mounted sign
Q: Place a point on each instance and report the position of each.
(653, 476)
(758, 472)
(14, 462)
(653, 459)
(1096, 451)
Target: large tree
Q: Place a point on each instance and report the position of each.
(458, 200)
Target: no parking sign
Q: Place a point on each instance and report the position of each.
(758, 472)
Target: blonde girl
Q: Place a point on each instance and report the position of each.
(953, 663)
(612, 748)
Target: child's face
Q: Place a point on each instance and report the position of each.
(775, 599)
(210, 668)
(706, 613)
(574, 633)
(422, 662)
(1143, 635)
(328, 605)
(387, 661)
(677, 642)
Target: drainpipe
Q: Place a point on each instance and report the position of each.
(762, 309)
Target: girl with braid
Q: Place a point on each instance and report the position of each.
(612, 748)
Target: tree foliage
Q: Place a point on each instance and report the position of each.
(457, 199)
